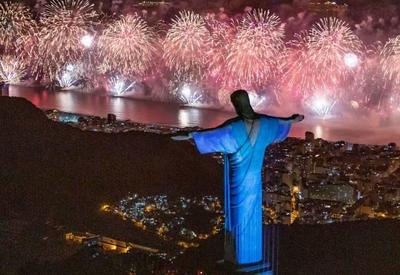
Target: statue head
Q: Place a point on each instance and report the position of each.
(241, 101)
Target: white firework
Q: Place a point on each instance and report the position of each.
(118, 85)
(11, 70)
(69, 76)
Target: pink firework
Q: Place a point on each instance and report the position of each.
(390, 60)
(128, 46)
(323, 58)
(222, 33)
(390, 63)
(254, 51)
(186, 43)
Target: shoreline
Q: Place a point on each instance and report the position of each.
(102, 124)
(367, 129)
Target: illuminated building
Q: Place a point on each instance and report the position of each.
(332, 192)
(294, 215)
(309, 136)
(327, 8)
(82, 237)
(106, 243)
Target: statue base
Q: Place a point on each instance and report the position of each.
(259, 268)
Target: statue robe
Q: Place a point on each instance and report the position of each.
(243, 146)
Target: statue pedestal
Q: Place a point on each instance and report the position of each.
(259, 268)
(267, 266)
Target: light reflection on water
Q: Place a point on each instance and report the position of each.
(318, 131)
(357, 131)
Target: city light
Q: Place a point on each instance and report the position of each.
(172, 225)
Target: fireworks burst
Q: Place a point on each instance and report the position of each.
(390, 64)
(390, 60)
(186, 43)
(320, 105)
(69, 76)
(374, 91)
(87, 40)
(119, 85)
(322, 58)
(222, 33)
(127, 46)
(63, 25)
(189, 94)
(15, 21)
(252, 58)
(11, 70)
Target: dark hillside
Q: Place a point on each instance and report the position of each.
(51, 168)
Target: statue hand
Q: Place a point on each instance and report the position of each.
(297, 118)
(179, 138)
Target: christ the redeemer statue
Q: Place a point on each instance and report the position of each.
(243, 141)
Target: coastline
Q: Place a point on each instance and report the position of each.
(367, 129)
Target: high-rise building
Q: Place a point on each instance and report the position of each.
(332, 192)
(392, 146)
(309, 136)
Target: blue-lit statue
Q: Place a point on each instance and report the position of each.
(243, 141)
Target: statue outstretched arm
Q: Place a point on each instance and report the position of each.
(292, 119)
(189, 135)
